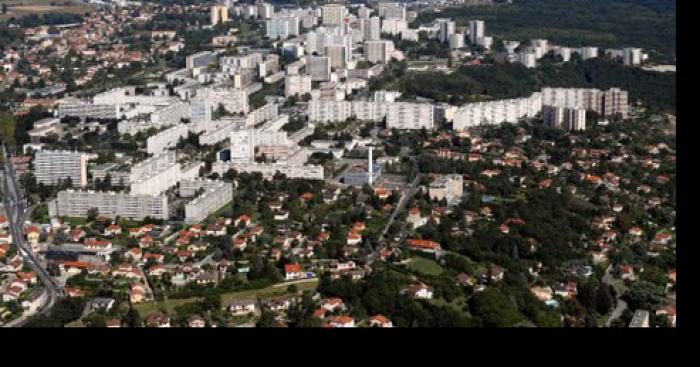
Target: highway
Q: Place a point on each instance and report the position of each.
(15, 207)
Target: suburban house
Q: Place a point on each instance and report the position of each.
(293, 271)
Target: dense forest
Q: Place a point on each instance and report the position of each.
(473, 83)
(650, 24)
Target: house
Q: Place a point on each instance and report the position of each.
(34, 301)
(382, 193)
(662, 239)
(627, 273)
(76, 235)
(293, 271)
(333, 304)
(379, 321)
(566, 290)
(157, 270)
(196, 321)
(147, 241)
(320, 313)
(670, 312)
(420, 291)
(636, 231)
(134, 254)
(127, 271)
(341, 321)
(415, 219)
(281, 215)
(354, 239)
(640, 319)
(112, 230)
(93, 244)
(158, 320)
(155, 257)
(137, 293)
(74, 292)
(113, 323)
(33, 234)
(496, 273)
(241, 307)
(544, 294)
(464, 279)
(209, 277)
(423, 245)
(215, 230)
(102, 304)
(27, 277)
(244, 219)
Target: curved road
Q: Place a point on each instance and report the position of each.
(16, 213)
(621, 305)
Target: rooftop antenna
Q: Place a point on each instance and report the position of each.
(369, 167)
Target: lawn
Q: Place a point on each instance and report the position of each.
(20, 8)
(424, 266)
(279, 289)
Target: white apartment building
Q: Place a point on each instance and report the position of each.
(527, 58)
(587, 52)
(392, 11)
(165, 139)
(564, 117)
(268, 171)
(71, 203)
(456, 41)
(373, 29)
(333, 14)
(297, 85)
(447, 28)
(338, 55)
(282, 26)
(266, 112)
(496, 112)
(84, 110)
(477, 29)
(406, 115)
(233, 100)
(329, 111)
(155, 175)
(378, 51)
(171, 115)
(319, 67)
(448, 187)
(394, 26)
(221, 130)
(216, 195)
(52, 166)
(632, 56)
(219, 14)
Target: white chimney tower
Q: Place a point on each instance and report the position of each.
(369, 167)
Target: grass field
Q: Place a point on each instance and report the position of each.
(424, 266)
(148, 308)
(19, 8)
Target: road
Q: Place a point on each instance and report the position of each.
(402, 204)
(16, 213)
(620, 304)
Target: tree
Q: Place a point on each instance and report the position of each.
(494, 309)
(267, 319)
(7, 129)
(132, 318)
(92, 214)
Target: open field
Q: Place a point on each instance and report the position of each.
(148, 308)
(20, 8)
(424, 266)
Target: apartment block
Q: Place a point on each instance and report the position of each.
(52, 166)
(70, 203)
